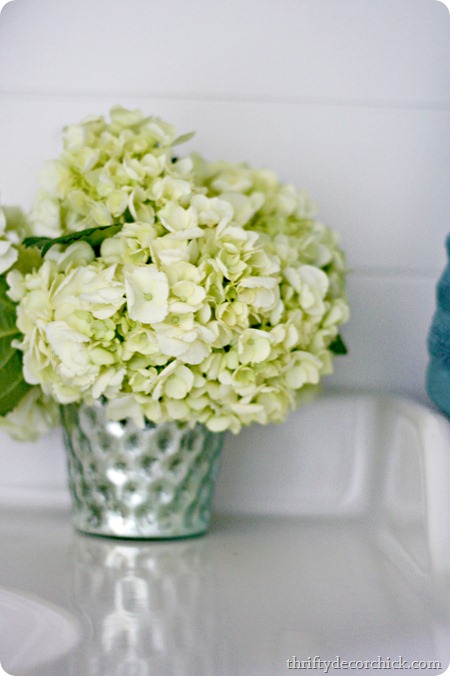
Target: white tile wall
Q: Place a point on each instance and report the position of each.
(379, 51)
(347, 98)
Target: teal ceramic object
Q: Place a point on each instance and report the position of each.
(152, 483)
(438, 373)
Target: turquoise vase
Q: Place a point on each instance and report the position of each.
(438, 373)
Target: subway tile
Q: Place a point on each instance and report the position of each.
(379, 176)
(386, 335)
(333, 50)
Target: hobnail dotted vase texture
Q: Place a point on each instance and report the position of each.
(155, 482)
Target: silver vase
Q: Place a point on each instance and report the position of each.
(155, 482)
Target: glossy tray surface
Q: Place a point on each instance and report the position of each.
(336, 553)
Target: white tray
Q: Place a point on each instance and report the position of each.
(330, 548)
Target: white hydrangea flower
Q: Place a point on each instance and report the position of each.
(126, 406)
(45, 217)
(89, 288)
(235, 314)
(181, 337)
(69, 346)
(170, 251)
(175, 381)
(217, 300)
(253, 346)
(259, 292)
(13, 224)
(311, 285)
(35, 415)
(302, 369)
(181, 222)
(8, 255)
(244, 206)
(54, 178)
(147, 291)
(212, 211)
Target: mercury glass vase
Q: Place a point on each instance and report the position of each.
(152, 483)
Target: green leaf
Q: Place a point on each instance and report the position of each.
(13, 385)
(10, 398)
(184, 138)
(93, 236)
(338, 346)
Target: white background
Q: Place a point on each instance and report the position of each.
(349, 99)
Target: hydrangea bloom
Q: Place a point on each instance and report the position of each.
(13, 227)
(217, 301)
(110, 173)
(35, 415)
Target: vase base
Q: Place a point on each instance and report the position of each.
(132, 530)
(140, 537)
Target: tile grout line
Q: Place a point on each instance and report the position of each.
(56, 96)
(395, 274)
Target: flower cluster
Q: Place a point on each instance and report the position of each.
(110, 173)
(218, 300)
